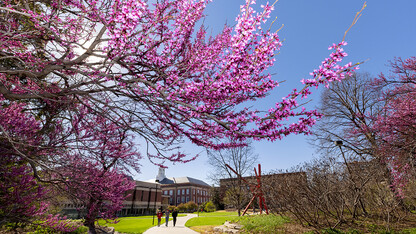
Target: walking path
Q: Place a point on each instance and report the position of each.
(178, 229)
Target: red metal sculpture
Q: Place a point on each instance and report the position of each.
(255, 190)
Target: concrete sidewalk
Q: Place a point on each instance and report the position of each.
(179, 228)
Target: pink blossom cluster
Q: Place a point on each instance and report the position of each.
(17, 125)
(21, 194)
(330, 70)
(59, 224)
(400, 178)
(23, 199)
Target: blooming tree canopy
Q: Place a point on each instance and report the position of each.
(144, 62)
(396, 126)
(78, 78)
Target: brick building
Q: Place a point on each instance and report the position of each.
(142, 200)
(183, 189)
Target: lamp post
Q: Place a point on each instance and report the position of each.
(176, 191)
(339, 143)
(154, 207)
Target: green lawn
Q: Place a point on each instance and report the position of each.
(212, 218)
(211, 221)
(263, 223)
(216, 214)
(252, 224)
(134, 224)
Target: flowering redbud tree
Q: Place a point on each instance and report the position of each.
(22, 199)
(99, 193)
(396, 125)
(21, 196)
(95, 167)
(145, 68)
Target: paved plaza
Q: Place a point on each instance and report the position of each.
(179, 228)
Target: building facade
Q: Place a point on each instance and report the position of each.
(183, 189)
(144, 199)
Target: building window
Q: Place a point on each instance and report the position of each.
(187, 191)
(183, 191)
(179, 192)
(178, 200)
(171, 192)
(183, 199)
(197, 191)
(187, 199)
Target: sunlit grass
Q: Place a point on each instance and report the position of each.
(251, 224)
(202, 221)
(212, 218)
(263, 223)
(133, 224)
(216, 214)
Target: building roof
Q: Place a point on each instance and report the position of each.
(148, 184)
(183, 180)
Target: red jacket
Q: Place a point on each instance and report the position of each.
(159, 215)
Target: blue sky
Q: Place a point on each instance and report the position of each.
(386, 29)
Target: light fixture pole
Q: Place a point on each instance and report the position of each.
(176, 191)
(339, 143)
(349, 169)
(154, 207)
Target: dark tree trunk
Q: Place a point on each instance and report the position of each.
(91, 228)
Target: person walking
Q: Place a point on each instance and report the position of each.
(174, 215)
(159, 217)
(167, 212)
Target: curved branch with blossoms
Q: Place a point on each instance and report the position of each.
(145, 63)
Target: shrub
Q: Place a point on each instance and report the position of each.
(331, 231)
(171, 208)
(191, 206)
(39, 227)
(182, 208)
(209, 206)
(80, 230)
(202, 207)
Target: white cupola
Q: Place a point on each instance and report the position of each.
(161, 175)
